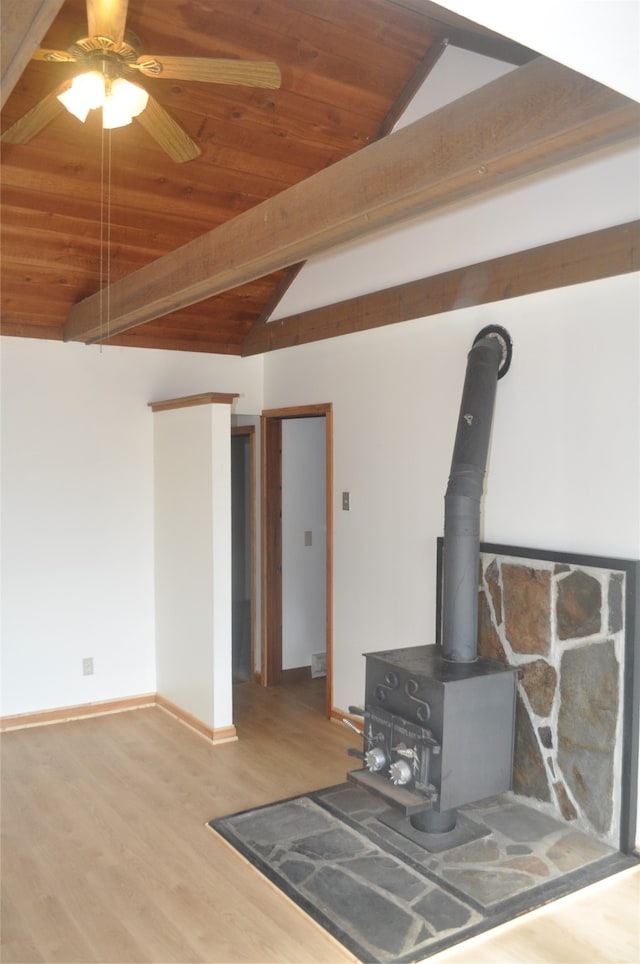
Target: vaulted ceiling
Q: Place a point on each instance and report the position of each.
(196, 255)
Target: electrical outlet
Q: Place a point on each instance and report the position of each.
(318, 665)
(87, 666)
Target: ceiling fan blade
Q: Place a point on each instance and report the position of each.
(167, 133)
(35, 119)
(250, 73)
(54, 56)
(107, 18)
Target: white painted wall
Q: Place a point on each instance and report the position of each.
(77, 512)
(599, 38)
(184, 589)
(192, 486)
(564, 469)
(304, 598)
(457, 73)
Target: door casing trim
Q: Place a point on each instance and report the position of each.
(272, 582)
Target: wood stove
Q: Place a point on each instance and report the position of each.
(439, 722)
(437, 734)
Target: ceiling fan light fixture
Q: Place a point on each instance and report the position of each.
(123, 102)
(114, 116)
(124, 92)
(109, 54)
(86, 93)
(120, 100)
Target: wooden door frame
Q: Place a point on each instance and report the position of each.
(271, 501)
(250, 432)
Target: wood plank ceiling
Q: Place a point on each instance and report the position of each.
(348, 69)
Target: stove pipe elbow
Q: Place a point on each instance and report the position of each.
(488, 360)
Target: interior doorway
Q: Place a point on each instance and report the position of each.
(243, 552)
(274, 426)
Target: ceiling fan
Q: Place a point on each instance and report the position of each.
(110, 62)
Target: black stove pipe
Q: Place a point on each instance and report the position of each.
(488, 360)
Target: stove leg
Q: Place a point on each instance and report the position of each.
(434, 821)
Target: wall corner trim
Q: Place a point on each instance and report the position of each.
(206, 398)
(218, 734)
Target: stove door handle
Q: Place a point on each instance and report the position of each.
(352, 726)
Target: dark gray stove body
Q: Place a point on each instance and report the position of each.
(439, 721)
(437, 734)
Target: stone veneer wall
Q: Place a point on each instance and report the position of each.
(563, 627)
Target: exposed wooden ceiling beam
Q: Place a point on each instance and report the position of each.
(600, 254)
(409, 91)
(530, 120)
(24, 24)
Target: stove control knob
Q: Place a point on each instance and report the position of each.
(375, 759)
(400, 773)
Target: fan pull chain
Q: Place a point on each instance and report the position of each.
(109, 239)
(101, 278)
(105, 236)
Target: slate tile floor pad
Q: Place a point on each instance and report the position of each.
(388, 899)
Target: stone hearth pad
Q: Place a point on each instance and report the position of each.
(388, 899)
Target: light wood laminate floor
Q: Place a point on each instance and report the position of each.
(106, 855)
